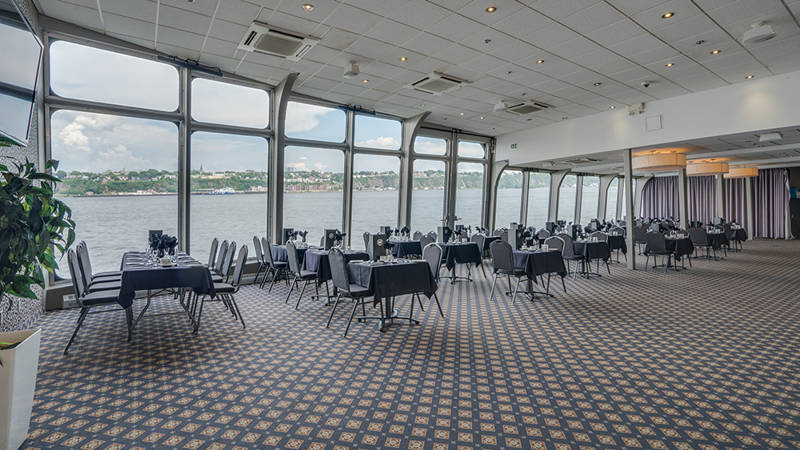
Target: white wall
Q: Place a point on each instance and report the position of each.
(758, 104)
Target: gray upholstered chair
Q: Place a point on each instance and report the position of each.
(341, 281)
(503, 263)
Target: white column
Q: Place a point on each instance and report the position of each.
(683, 200)
(720, 197)
(628, 186)
(555, 185)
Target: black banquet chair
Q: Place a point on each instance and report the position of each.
(699, 239)
(341, 281)
(298, 274)
(212, 254)
(224, 292)
(568, 253)
(276, 268)
(503, 263)
(262, 265)
(432, 254)
(94, 282)
(216, 272)
(89, 300)
(657, 245)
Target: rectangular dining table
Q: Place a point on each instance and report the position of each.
(139, 274)
(537, 263)
(386, 280)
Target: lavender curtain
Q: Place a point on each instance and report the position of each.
(702, 193)
(736, 200)
(660, 198)
(770, 201)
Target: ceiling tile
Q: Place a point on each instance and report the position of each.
(352, 19)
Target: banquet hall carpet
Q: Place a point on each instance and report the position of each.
(704, 358)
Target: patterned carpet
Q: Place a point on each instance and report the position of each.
(705, 358)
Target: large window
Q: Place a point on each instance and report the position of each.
(428, 195)
(229, 104)
(589, 198)
(430, 146)
(313, 184)
(509, 198)
(87, 73)
(566, 198)
(375, 194)
(315, 122)
(538, 199)
(120, 179)
(467, 149)
(611, 200)
(229, 190)
(376, 132)
(469, 193)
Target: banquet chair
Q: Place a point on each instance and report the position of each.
(480, 240)
(259, 258)
(699, 239)
(341, 281)
(432, 254)
(88, 300)
(417, 235)
(297, 273)
(84, 253)
(555, 242)
(228, 263)
(276, 268)
(601, 236)
(94, 283)
(640, 237)
(216, 273)
(657, 245)
(425, 240)
(224, 292)
(503, 263)
(568, 253)
(212, 254)
(366, 240)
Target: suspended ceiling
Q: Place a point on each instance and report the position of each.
(618, 43)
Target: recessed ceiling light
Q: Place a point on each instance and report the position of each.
(716, 51)
(539, 61)
(667, 15)
(308, 6)
(611, 107)
(491, 9)
(482, 117)
(597, 83)
(365, 81)
(404, 58)
(669, 64)
(461, 114)
(422, 105)
(749, 77)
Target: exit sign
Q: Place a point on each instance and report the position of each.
(513, 146)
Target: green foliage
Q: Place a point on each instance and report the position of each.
(32, 224)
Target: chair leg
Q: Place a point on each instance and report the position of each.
(129, 321)
(199, 314)
(411, 313)
(239, 313)
(264, 280)
(608, 267)
(516, 288)
(335, 304)
(494, 282)
(439, 305)
(301, 295)
(81, 317)
(291, 288)
(418, 300)
(352, 313)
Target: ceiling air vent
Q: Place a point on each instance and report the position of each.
(520, 108)
(437, 83)
(264, 38)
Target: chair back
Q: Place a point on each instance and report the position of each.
(424, 241)
(600, 236)
(84, 265)
(257, 248)
(481, 241)
(640, 234)
(75, 274)
(698, 236)
(543, 234)
(236, 279)
(617, 231)
(223, 253)
(656, 243)
(432, 254)
(568, 251)
(555, 242)
(339, 274)
(226, 265)
(266, 247)
(291, 256)
(366, 240)
(212, 254)
(417, 235)
(504, 236)
(502, 256)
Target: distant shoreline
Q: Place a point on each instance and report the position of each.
(210, 194)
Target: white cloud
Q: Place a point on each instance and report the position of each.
(298, 166)
(433, 147)
(303, 117)
(384, 142)
(320, 166)
(73, 137)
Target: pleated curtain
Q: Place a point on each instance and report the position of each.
(660, 198)
(770, 202)
(702, 193)
(736, 200)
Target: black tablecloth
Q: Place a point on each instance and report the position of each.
(403, 249)
(617, 242)
(279, 253)
(391, 279)
(679, 247)
(137, 275)
(592, 250)
(717, 240)
(461, 253)
(317, 261)
(739, 235)
(540, 263)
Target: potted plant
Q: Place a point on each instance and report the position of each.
(33, 223)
